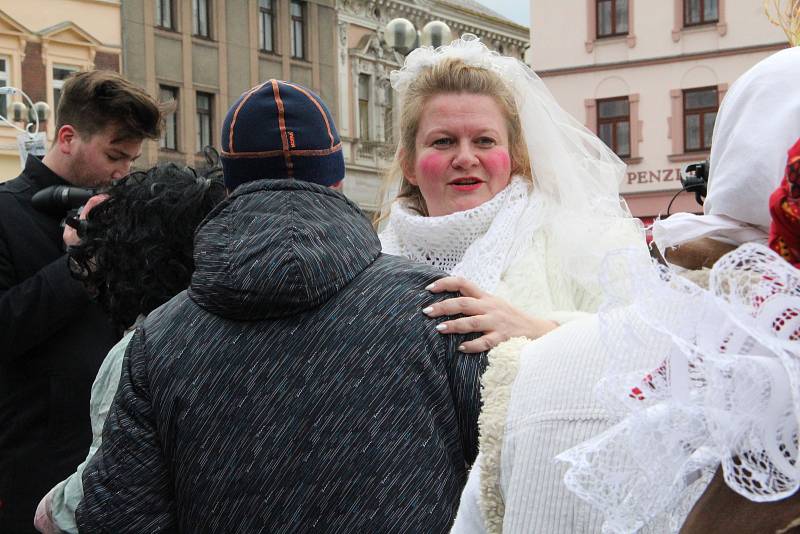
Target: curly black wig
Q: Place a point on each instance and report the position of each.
(136, 246)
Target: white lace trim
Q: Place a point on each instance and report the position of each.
(477, 244)
(726, 391)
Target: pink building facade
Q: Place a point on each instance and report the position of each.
(647, 76)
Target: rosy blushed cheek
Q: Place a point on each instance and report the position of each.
(432, 165)
(497, 162)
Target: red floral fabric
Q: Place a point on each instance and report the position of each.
(784, 206)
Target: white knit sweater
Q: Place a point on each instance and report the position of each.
(550, 407)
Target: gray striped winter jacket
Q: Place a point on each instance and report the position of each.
(296, 386)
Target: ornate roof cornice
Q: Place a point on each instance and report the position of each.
(461, 19)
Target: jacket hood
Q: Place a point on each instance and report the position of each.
(275, 248)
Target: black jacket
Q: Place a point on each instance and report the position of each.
(52, 341)
(295, 387)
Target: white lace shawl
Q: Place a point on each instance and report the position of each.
(725, 390)
(478, 244)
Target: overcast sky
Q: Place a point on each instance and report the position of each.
(516, 10)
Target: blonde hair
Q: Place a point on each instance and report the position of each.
(450, 76)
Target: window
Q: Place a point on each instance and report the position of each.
(697, 12)
(699, 114)
(203, 121)
(200, 11)
(165, 14)
(298, 11)
(702, 14)
(612, 18)
(266, 25)
(60, 75)
(169, 139)
(614, 124)
(388, 116)
(363, 106)
(4, 68)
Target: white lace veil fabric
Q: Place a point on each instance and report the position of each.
(726, 390)
(576, 176)
(758, 120)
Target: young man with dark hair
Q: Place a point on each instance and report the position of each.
(53, 339)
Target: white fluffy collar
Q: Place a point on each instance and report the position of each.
(476, 244)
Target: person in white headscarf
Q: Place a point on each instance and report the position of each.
(502, 188)
(758, 120)
(717, 390)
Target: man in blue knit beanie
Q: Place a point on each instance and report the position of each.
(296, 386)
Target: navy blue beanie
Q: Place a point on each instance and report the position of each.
(280, 130)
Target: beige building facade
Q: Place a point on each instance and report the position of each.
(41, 43)
(648, 76)
(368, 108)
(205, 53)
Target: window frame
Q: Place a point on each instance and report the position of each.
(197, 24)
(296, 21)
(159, 15)
(703, 21)
(5, 81)
(58, 85)
(388, 115)
(701, 112)
(262, 13)
(171, 120)
(199, 116)
(614, 122)
(614, 32)
(364, 107)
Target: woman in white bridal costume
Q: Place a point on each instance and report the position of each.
(502, 188)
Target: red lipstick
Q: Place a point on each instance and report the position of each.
(466, 184)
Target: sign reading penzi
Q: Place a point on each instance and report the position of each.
(652, 177)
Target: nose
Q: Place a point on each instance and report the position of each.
(121, 170)
(465, 157)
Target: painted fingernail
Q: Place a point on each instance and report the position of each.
(441, 327)
(461, 348)
(430, 287)
(428, 310)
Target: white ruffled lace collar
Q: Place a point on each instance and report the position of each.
(720, 387)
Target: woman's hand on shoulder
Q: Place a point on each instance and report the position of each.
(497, 319)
